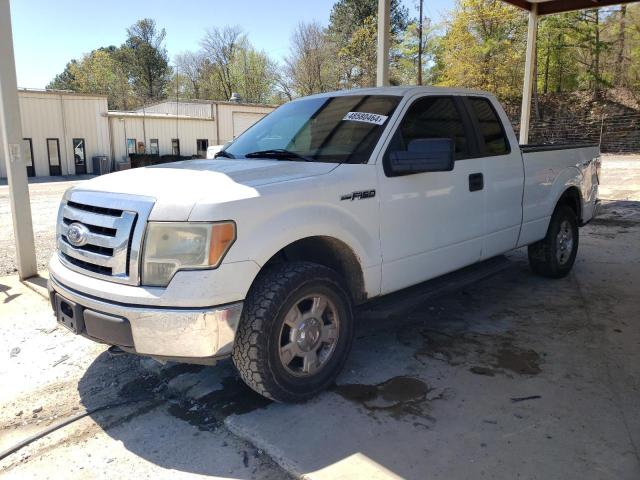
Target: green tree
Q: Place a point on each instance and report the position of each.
(353, 32)
(358, 56)
(146, 59)
(98, 72)
(405, 54)
(483, 48)
(232, 64)
(66, 79)
(558, 68)
(589, 47)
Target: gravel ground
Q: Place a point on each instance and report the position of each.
(45, 194)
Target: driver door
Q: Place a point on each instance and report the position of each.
(433, 222)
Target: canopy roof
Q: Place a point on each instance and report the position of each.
(547, 7)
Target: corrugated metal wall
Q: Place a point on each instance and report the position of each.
(163, 129)
(198, 110)
(65, 117)
(226, 113)
(233, 119)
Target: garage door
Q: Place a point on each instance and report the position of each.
(243, 120)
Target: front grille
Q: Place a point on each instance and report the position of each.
(86, 265)
(113, 229)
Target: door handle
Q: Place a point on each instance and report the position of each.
(476, 182)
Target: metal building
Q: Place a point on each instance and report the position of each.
(61, 131)
(180, 128)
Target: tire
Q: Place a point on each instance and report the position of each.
(291, 309)
(554, 255)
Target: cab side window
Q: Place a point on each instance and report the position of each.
(432, 118)
(491, 131)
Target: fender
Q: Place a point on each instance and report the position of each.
(570, 177)
(299, 222)
(543, 189)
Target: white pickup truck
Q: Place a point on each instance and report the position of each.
(329, 201)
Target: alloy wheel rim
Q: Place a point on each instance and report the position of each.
(564, 242)
(309, 335)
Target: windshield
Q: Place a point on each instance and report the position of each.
(342, 129)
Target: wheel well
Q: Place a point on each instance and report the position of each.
(571, 198)
(331, 253)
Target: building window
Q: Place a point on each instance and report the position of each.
(28, 156)
(131, 145)
(154, 149)
(53, 152)
(175, 147)
(201, 147)
(79, 156)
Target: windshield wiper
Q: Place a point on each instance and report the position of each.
(278, 154)
(223, 153)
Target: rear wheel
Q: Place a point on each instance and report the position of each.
(554, 255)
(295, 332)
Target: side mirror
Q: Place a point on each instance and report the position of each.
(423, 155)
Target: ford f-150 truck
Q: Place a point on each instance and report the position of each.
(329, 201)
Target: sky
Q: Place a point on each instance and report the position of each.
(47, 34)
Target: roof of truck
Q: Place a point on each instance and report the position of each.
(401, 91)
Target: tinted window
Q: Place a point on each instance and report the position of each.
(432, 117)
(324, 129)
(491, 131)
(131, 145)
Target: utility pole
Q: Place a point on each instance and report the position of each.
(420, 3)
(525, 111)
(11, 150)
(384, 27)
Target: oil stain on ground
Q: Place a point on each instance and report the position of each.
(208, 413)
(517, 360)
(484, 354)
(399, 396)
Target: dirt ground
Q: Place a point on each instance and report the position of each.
(514, 376)
(45, 196)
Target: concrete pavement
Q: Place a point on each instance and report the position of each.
(513, 377)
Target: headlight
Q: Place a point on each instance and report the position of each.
(173, 246)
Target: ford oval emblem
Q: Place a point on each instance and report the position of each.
(77, 234)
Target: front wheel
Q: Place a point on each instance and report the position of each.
(554, 255)
(295, 332)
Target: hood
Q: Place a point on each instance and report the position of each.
(178, 186)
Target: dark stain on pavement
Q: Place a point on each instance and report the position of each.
(141, 386)
(522, 362)
(400, 396)
(208, 413)
(485, 354)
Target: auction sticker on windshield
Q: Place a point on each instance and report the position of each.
(365, 117)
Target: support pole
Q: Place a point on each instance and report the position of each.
(532, 34)
(384, 27)
(11, 150)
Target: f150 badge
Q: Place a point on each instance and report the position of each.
(361, 195)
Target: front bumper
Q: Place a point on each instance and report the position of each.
(185, 334)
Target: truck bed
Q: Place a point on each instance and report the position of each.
(548, 171)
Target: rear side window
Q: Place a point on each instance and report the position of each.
(429, 118)
(494, 140)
